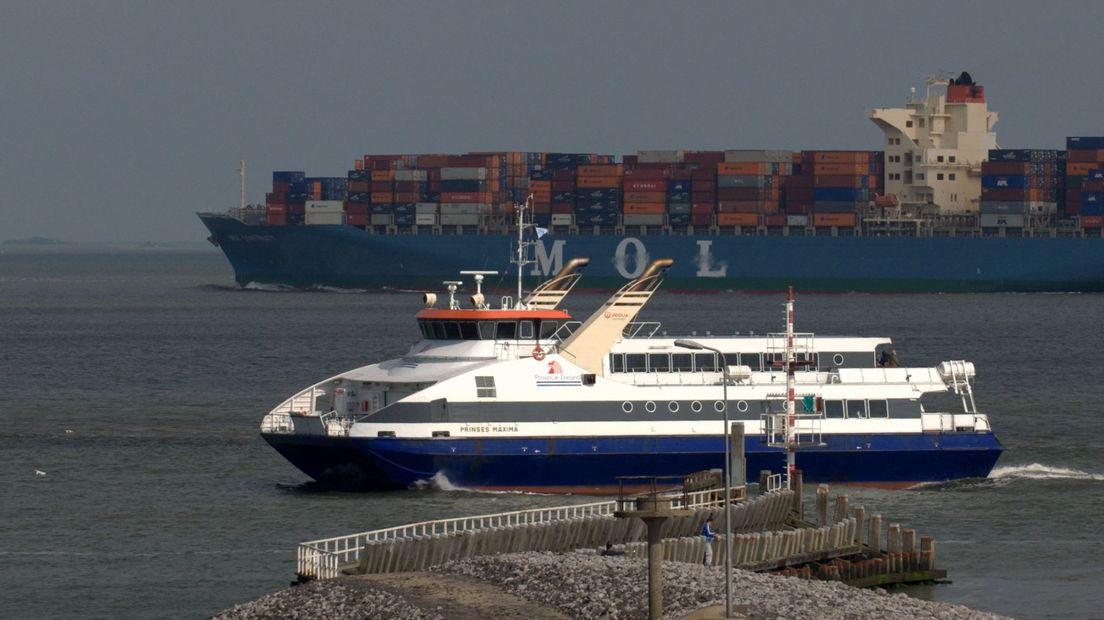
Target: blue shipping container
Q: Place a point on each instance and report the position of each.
(598, 194)
(678, 219)
(596, 219)
(1011, 182)
(462, 185)
(679, 186)
(288, 176)
(1082, 142)
(840, 194)
(598, 206)
(678, 197)
(1091, 199)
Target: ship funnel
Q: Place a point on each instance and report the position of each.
(588, 346)
(550, 293)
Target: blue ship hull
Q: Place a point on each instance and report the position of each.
(592, 465)
(347, 257)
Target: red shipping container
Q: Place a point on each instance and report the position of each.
(775, 220)
(737, 219)
(1078, 169)
(352, 208)
(598, 182)
(711, 158)
(701, 219)
(742, 168)
(275, 219)
(839, 181)
(296, 208)
(799, 208)
(1005, 168)
(601, 170)
(281, 188)
(563, 174)
(559, 207)
(703, 207)
(1085, 155)
(738, 206)
(467, 197)
(541, 207)
(1092, 186)
(564, 185)
(645, 208)
(357, 219)
(726, 194)
(1092, 221)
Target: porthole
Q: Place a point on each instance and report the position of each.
(650, 407)
(741, 406)
(695, 407)
(627, 407)
(718, 406)
(837, 359)
(673, 407)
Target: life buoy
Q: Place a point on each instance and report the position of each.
(538, 353)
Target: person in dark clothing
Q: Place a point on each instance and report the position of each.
(888, 359)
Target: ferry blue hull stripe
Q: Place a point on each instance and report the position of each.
(596, 462)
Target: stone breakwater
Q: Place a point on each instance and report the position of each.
(586, 585)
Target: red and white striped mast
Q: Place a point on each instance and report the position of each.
(791, 409)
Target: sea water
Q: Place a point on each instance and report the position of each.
(135, 483)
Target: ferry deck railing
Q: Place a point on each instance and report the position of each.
(323, 559)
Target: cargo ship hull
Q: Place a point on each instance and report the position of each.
(583, 464)
(347, 257)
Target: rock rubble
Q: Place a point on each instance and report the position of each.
(587, 585)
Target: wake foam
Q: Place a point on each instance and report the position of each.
(1038, 471)
(266, 288)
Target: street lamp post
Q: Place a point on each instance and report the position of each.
(697, 346)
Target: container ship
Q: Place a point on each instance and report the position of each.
(939, 209)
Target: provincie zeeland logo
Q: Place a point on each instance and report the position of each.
(555, 377)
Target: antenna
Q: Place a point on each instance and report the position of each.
(522, 258)
(241, 176)
(452, 286)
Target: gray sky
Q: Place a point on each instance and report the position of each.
(119, 120)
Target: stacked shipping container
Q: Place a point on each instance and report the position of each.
(1016, 184)
(842, 182)
(1084, 181)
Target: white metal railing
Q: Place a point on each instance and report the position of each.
(277, 423)
(774, 483)
(322, 559)
(300, 404)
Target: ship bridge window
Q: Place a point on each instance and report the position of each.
(856, 408)
(833, 409)
(752, 361)
(617, 362)
(452, 330)
(705, 362)
(438, 330)
(526, 330)
(878, 408)
(547, 328)
(682, 362)
(636, 362)
(468, 330)
(659, 362)
(506, 330)
(487, 330)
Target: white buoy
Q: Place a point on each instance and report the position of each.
(40, 473)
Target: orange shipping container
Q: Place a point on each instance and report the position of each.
(1081, 168)
(598, 182)
(845, 220)
(383, 175)
(645, 208)
(1085, 155)
(742, 168)
(842, 157)
(359, 186)
(406, 196)
(540, 186)
(837, 169)
(659, 197)
(382, 197)
(737, 219)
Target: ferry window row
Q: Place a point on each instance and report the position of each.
(704, 362)
(486, 330)
(856, 409)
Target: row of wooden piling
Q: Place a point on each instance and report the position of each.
(766, 512)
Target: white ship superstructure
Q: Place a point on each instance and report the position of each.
(934, 146)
